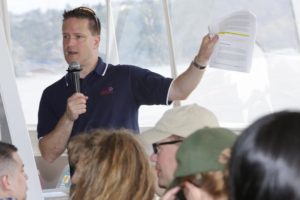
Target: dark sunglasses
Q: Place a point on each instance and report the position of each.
(91, 13)
(157, 144)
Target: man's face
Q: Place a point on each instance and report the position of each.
(78, 42)
(19, 179)
(165, 161)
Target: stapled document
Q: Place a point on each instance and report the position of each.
(234, 49)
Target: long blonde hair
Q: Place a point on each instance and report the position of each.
(115, 166)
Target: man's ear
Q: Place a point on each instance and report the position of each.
(5, 182)
(97, 41)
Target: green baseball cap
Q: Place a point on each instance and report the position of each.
(200, 151)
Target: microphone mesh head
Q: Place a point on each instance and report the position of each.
(74, 65)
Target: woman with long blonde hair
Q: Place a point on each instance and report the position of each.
(110, 165)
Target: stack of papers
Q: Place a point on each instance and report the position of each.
(234, 49)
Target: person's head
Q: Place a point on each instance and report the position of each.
(265, 160)
(202, 160)
(111, 164)
(168, 133)
(81, 35)
(13, 179)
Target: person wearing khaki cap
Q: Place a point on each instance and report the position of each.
(202, 166)
(168, 133)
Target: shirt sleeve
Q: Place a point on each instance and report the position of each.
(148, 87)
(46, 116)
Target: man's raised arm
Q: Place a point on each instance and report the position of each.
(186, 82)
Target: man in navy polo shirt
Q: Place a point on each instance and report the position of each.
(110, 95)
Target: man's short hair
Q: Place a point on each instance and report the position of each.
(85, 13)
(6, 157)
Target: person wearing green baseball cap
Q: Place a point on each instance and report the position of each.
(201, 166)
(168, 133)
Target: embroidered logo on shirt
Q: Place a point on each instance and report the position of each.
(107, 91)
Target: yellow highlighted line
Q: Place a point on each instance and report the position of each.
(233, 33)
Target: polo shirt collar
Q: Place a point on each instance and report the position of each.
(101, 67)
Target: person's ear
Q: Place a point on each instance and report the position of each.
(97, 41)
(5, 182)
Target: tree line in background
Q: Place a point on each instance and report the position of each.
(37, 37)
(141, 31)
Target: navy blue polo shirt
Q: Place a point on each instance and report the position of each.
(115, 94)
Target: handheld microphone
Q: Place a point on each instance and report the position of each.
(74, 71)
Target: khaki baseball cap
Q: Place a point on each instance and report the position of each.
(181, 121)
